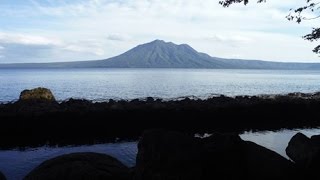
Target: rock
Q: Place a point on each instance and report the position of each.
(167, 155)
(315, 140)
(80, 166)
(149, 100)
(171, 155)
(37, 94)
(77, 105)
(298, 148)
(2, 177)
(262, 163)
(36, 102)
(227, 156)
(222, 156)
(305, 152)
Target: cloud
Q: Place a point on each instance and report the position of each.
(79, 29)
(21, 52)
(6, 38)
(274, 46)
(1, 50)
(232, 40)
(76, 48)
(17, 47)
(118, 37)
(22, 47)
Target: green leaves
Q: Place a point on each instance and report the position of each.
(227, 3)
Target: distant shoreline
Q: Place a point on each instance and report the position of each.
(13, 66)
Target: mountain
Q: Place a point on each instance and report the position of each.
(160, 54)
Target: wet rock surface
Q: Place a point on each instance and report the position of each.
(85, 166)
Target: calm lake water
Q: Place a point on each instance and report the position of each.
(102, 84)
(16, 164)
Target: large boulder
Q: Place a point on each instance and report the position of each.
(171, 155)
(227, 156)
(167, 155)
(37, 94)
(80, 166)
(222, 156)
(262, 163)
(36, 101)
(304, 151)
(2, 177)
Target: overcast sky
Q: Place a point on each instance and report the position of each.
(70, 30)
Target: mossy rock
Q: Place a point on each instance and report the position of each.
(37, 94)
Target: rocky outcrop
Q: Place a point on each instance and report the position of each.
(227, 156)
(37, 94)
(37, 123)
(222, 154)
(262, 163)
(304, 151)
(2, 177)
(171, 155)
(36, 102)
(85, 166)
(167, 155)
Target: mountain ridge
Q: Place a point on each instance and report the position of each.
(161, 54)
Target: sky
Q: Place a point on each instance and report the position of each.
(73, 30)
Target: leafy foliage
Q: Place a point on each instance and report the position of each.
(297, 14)
(227, 3)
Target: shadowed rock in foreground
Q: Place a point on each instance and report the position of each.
(171, 155)
(2, 177)
(85, 166)
(305, 152)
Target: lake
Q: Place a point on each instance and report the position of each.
(103, 84)
(15, 164)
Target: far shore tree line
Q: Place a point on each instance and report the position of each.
(297, 14)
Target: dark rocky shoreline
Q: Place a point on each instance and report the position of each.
(36, 121)
(170, 155)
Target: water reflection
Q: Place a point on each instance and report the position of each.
(15, 164)
(277, 141)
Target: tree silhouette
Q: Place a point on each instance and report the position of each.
(296, 14)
